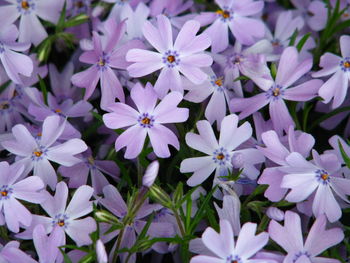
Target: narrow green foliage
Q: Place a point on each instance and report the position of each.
(302, 41)
(43, 89)
(344, 155)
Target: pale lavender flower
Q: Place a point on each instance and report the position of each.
(107, 54)
(335, 87)
(275, 213)
(184, 56)
(230, 211)
(290, 69)
(290, 238)
(29, 11)
(147, 119)
(220, 153)
(47, 246)
(101, 252)
(36, 154)
(66, 217)
(233, 15)
(12, 188)
(151, 174)
(223, 244)
(323, 177)
(11, 253)
(14, 63)
(119, 6)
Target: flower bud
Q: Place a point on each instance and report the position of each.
(275, 213)
(101, 252)
(150, 174)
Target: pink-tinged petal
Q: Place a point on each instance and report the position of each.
(52, 130)
(87, 79)
(205, 259)
(303, 92)
(80, 204)
(218, 33)
(197, 60)
(216, 242)
(16, 213)
(122, 115)
(160, 137)
(274, 149)
(330, 88)
(345, 45)
(144, 98)
(114, 33)
(167, 105)
(247, 243)
(169, 78)
(63, 153)
(8, 14)
(231, 136)
(24, 138)
(280, 116)
(164, 27)
(302, 186)
(16, 63)
(330, 64)
(110, 88)
(31, 30)
(290, 69)
(200, 175)
(248, 106)
(134, 139)
(196, 163)
(80, 230)
(216, 108)
(320, 239)
(290, 236)
(45, 171)
(118, 56)
(113, 201)
(89, 57)
(325, 203)
(49, 9)
(247, 7)
(28, 190)
(142, 55)
(141, 69)
(193, 73)
(247, 29)
(154, 37)
(186, 34)
(273, 177)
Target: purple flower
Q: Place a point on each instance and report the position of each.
(107, 54)
(290, 238)
(220, 154)
(101, 252)
(14, 62)
(35, 154)
(335, 87)
(66, 218)
(30, 28)
(47, 246)
(323, 176)
(223, 244)
(275, 92)
(184, 56)
(11, 188)
(147, 119)
(12, 253)
(234, 15)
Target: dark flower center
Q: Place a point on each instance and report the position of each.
(102, 62)
(224, 13)
(60, 222)
(220, 156)
(219, 82)
(324, 176)
(146, 120)
(79, 4)
(276, 92)
(4, 193)
(58, 110)
(346, 64)
(171, 59)
(38, 153)
(5, 105)
(25, 5)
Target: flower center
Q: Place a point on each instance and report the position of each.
(58, 110)
(101, 62)
(220, 156)
(146, 120)
(346, 64)
(276, 92)
(224, 13)
(218, 82)
(324, 176)
(91, 160)
(171, 59)
(25, 5)
(4, 105)
(4, 193)
(60, 222)
(38, 153)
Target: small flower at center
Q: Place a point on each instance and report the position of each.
(38, 153)
(219, 82)
(220, 156)
(324, 176)
(146, 120)
(4, 193)
(25, 5)
(60, 222)
(224, 13)
(171, 59)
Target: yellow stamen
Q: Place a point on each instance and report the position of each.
(60, 223)
(25, 5)
(324, 176)
(276, 92)
(171, 59)
(4, 193)
(5, 105)
(225, 14)
(219, 82)
(58, 110)
(220, 156)
(146, 121)
(102, 62)
(91, 160)
(38, 153)
(346, 64)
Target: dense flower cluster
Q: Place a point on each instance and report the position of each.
(190, 131)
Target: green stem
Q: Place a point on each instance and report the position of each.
(178, 220)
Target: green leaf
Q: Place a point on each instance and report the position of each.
(257, 206)
(241, 78)
(106, 217)
(4, 86)
(160, 196)
(178, 193)
(293, 38)
(302, 41)
(88, 258)
(65, 256)
(43, 89)
(344, 155)
(62, 18)
(44, 49)
(273, 70)
(77, 20)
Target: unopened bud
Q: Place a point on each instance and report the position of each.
(150, 174)
(101, 252)
(160, 196)
(275, 213)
